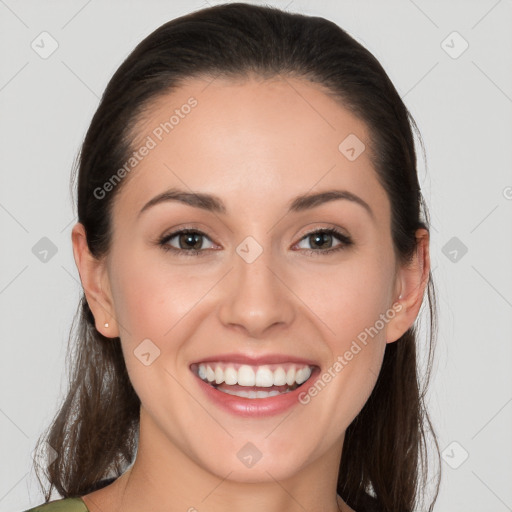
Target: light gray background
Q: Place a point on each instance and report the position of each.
(463, 108)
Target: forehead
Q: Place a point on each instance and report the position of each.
(248, 140)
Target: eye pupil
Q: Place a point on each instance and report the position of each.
(320, 237)
(193, 238)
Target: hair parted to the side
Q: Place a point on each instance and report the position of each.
(95, 431)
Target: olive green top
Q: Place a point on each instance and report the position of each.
(62, 505)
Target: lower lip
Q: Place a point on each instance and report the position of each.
(256, 407)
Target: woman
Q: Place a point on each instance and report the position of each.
(253, 248)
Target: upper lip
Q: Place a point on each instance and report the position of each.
(256, 360)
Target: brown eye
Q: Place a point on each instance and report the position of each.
(185, 241)
(190, 241)
(321, 241)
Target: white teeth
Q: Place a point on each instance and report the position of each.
(251, 394)
(303, 375)
(260, 376)
(290, 376)
(230, 376)
(219, 375)
(264, 377)
(210, 374)
(246, 376)
(279, 377)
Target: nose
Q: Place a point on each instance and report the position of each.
(256, 297)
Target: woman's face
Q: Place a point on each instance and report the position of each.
(263, 283)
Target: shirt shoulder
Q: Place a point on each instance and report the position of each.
(62, 505)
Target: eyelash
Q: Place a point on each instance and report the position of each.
(345, 240)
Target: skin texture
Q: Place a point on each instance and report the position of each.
(256, 145)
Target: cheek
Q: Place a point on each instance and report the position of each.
(151, 297)
(351, 303)
(150, 300)
(349, 297)
(360, 303)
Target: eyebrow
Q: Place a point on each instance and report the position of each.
(214, 204)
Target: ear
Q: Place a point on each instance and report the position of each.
(94, 277)
(412, 279)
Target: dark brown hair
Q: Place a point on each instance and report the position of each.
(384, 463)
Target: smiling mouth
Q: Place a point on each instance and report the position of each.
(252, 382)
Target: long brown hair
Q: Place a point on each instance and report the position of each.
(384, 464)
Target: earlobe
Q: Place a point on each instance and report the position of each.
(94, 278)
(412, 282)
